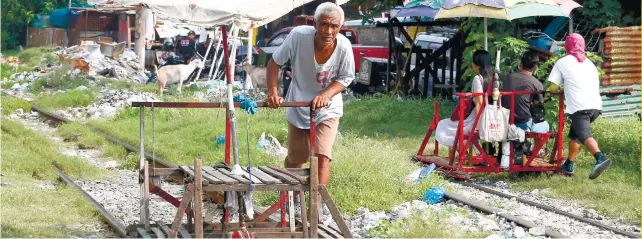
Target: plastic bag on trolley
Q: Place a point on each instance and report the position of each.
(232, 203)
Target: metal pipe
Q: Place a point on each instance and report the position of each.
(216, 56)
(492, 210)
(111, 220)
(526, 92)
(230, 108)
(550, 209)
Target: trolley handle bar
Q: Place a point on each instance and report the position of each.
(213, 104)
(527, 92)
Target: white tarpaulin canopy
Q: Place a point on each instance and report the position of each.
(245, 14)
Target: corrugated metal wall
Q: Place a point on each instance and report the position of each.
(622, 48)
(622, 65)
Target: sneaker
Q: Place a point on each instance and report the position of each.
(599, 167)
(567, 168)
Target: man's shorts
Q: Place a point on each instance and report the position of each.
(581, 124)
(299, 141)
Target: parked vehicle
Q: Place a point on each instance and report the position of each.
(432, 41)
(358, 49)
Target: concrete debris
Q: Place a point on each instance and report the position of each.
(124, 67)
(519, 232)
(537, 231)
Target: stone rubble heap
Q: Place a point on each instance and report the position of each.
(126, 67)
(110, 101)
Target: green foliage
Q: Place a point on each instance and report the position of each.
(10, 105)
(29, 59)
(374, 9)
(75, 98)
(18, 14)
(59, 79)
(607, 13)
(500, 34)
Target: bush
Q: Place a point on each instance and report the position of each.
(60, 79)
(75, 98)
(10, 105)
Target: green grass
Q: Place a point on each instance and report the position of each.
(620, 140)
(360, 175)
(60, 79)
(74, 98)
(372, 156)
(29, 58)
(74, 132)
(29, 211)
(11, 104)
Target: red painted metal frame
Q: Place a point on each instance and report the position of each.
(464, 141)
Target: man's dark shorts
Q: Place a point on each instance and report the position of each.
(581, 124)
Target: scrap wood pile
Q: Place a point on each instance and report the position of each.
(621, 47)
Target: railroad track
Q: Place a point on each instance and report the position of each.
(118, 227)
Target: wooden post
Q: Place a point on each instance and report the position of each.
(198, 197)
(336, 215)
(181, 211)
(304, 214)
(314, 198)
(140, 35)
(144, 187)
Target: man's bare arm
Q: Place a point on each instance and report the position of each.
(272, 74)
(334, 89)
(323, 99)
(272, 77)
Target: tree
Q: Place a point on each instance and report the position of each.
(18, 14)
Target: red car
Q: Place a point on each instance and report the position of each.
(358, 50)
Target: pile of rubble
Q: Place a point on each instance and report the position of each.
(91, 61)
(110, 101)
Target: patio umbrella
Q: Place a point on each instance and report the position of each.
(496, 9)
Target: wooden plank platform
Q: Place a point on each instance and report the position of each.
(260, 230)
(539, 162)
(263, 179)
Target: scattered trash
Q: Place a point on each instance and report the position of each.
(262, 141)
(272, 147)
(419, 174)
(434, 195)
(220, 140)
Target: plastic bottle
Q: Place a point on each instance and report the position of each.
(419, 173)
